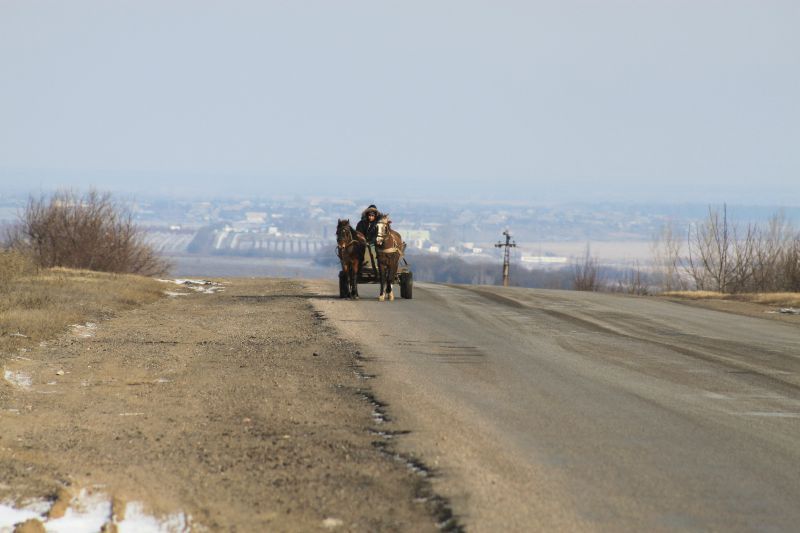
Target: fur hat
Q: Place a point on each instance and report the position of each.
(370, 209)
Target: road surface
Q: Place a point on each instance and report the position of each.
(553, 410)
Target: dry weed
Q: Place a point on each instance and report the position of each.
(14, 264)
(695, 295)
(781, 299)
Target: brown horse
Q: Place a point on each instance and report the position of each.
(390, 248)
(350, 251)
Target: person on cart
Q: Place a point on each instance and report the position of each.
(368, 227)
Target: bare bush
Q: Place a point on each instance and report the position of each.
(791, 266)
(585, 272)
(632, 281)
(668, 260)
(87, 232)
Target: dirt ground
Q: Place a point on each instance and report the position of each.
(240, 408)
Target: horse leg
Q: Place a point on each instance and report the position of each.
(343, 293)
(389, 278)
(381, 271)
(354, 279)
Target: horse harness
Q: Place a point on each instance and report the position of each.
(392, 249)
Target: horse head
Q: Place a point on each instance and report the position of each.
(344, 234)
(383, 229)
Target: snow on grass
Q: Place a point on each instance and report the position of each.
(173, 293)
(84, 330)
(89, 512)
(196, 285)
(136, 520)
(20, 379)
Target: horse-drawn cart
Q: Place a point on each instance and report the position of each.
(381, 262)
(369, 274)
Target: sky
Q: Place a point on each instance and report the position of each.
(562, 100)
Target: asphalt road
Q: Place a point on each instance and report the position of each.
(552, 410)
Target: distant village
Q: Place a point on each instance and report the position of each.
(546, 235)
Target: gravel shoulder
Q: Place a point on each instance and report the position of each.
(241, 408)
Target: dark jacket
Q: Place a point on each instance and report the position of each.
(367, 228)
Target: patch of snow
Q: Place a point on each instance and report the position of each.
(20, 379)
(196, 285)
(200, 285)
(137, 521)
(331, 523)
(10, 516)
(84, 330)
(89, 512)
(85, 513)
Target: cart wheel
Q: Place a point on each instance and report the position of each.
(343, 286)
(406, 285)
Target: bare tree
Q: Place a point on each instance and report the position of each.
(718, 258)
(791, 265)
(632, 281)
(586, 275)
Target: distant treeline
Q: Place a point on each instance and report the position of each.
(452, 269)
(716, 254)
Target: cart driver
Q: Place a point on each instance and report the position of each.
(368, 227)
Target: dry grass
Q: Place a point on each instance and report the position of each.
(780, 299)
(37, 305)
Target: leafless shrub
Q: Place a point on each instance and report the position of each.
(632, 281)
(586, 273)
(86, 232)
(791, 265)
(668, 260)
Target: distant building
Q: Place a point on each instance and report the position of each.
(255, 217)
(544, 260)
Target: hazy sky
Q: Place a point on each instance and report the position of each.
(526, 100)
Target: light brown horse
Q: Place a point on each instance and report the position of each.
(350, 251)
(390, 248)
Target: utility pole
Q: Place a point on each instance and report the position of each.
(506, 254)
